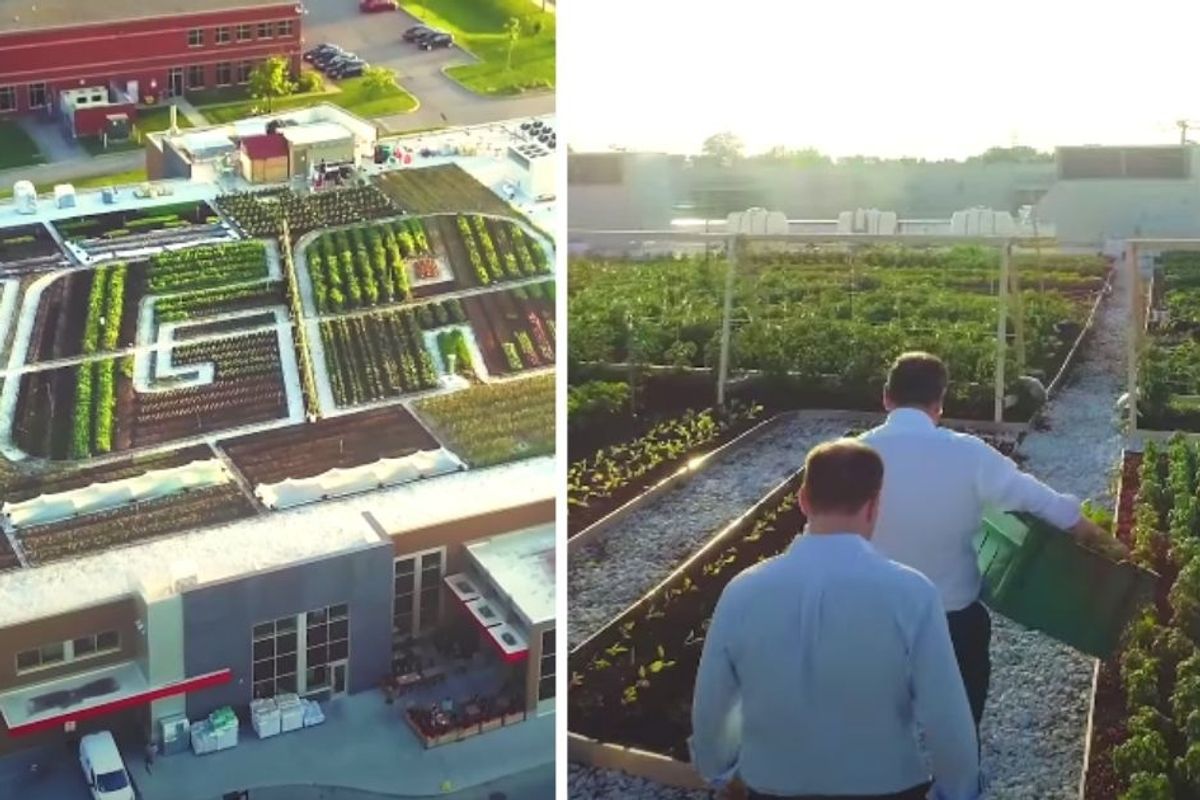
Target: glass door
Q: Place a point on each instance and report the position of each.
(339, 678)
(175, 82)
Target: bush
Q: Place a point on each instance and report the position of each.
(1144, 753)
(310, 81)
(590, 403)
(1146, 786)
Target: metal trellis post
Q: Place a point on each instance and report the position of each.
(1002, 328)
(733, 248)
(1133, 340)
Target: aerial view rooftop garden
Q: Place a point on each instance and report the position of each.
(177, 364)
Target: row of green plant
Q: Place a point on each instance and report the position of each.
(598, 476)
(366, 265)
(375, 356)
(207, 266)
(95, 406)
(1169, 368)
(510, 255)
(796, 313)
(218, 299)
(1159, 756)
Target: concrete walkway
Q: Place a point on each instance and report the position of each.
(364, 744)
(54, 146)
(192, 113)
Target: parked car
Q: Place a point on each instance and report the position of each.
(439, 40)
(423, 36)
(103, 768)
(417, 32)
(350, 69)
(372, 6)
(323, 60)
(320, 50)
(336, 62)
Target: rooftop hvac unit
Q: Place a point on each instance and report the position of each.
(64, 195)
(25, 197)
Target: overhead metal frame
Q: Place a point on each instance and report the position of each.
(736, 244)
(1139, 303)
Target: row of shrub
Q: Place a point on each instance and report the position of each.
(95, 381)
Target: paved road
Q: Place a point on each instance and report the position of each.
(74, 169)
(376, 37)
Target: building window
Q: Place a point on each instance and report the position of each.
(417, 596)
(8, 98)
(546, 683)
(224, 74)
(224, 36)
(49, 655)
(285, 28)
(276, 654)
(264, 30)
(195, 77)
(296, 654)
(37, 95)
(196, 37)
(244, 33)
(243, 72)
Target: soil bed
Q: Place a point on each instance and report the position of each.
(302, 451)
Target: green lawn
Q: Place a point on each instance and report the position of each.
(223, 105)
(94, 182)
(16, 148)
(478, 26)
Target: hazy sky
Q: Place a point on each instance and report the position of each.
(915, 77)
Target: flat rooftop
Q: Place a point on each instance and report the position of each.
(270, 541)
(521, 565)
(19, 16)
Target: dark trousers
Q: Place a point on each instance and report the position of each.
(915, 793)
(971, 633)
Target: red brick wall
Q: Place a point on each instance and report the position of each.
(143, 50)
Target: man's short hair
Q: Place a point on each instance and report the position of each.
(842, 476)
(917, 379)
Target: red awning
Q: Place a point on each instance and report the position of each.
(53, 704)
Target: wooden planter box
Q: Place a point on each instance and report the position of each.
(514, 717)
(468, 731)
(426, 740)
(490, 724)
(446, 738)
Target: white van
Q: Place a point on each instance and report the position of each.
(103, 768)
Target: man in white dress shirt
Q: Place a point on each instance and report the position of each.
(938, 484)
(818, 664)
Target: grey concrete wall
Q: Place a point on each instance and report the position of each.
(653, 185)
(1092, 211)
(218, 620)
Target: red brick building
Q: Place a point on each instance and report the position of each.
(165, 47)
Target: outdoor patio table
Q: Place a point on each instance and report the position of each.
(408, 679)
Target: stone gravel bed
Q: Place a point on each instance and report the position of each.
(1035, 724)
(652, 541)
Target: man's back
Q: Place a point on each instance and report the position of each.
(937, 486)
(824, 643)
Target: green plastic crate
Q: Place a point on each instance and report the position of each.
(1041, 578)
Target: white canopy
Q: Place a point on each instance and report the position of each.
(48, 508)
(338, 482)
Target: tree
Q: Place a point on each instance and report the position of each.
(378, 81)
(804, 157)
(724, 146)
(270, 79)
(513, 29)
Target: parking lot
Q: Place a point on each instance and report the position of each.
(377, 39)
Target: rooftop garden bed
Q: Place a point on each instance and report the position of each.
(259, 214)
(302, 451)
(827, 325)
(494, 423)
(27, 243)
(446, 188)
(139, 222)
(1169, 380)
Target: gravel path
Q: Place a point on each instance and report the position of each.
(1034, 728)
(1035, 724)
(651, 542)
